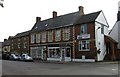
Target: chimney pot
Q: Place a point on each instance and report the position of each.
(81, 10)
(54, 14)
(38, 19)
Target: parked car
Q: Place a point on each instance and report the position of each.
(26, 57)
(14, 57)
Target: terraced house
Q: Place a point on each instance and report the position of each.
(71, 37)
(20, 43)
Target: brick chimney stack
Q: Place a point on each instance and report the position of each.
(5, 40)
(81, 10)
(38, 19)
(54, 14)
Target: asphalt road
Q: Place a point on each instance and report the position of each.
(54, 68)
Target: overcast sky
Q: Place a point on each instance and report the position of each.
(20, 15)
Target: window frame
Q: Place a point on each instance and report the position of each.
(83, 29)
(58, 35)
(32, 38)
(50, 36)
(43, 36)
(38, 37)
(66, 34)
(81, 43)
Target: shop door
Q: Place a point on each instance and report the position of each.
(63, 54)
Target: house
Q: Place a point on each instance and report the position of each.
(1, 50)
(20, 43)
(115, 32)
(71, 37)
(6, 45)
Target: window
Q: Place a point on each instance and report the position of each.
(58, 35)
(18, 45)
(84, 45)
(43, 36)
(66, 33)
(50, 36)
(54, 53)
(38, 38)
(102, 29)
(25, 44)
(12, 46)
(18, 39)
(83, 29)
(32, 38)
(24, 38)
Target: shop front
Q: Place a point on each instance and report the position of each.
(38, 52)
(59, 53)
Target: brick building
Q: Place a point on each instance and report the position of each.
(20, 43)
(71, 37)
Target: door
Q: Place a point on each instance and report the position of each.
(63, 54)
(43, 54)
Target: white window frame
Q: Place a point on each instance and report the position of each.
(58, 35)
(43, 36)
(50, 36)
(66, 34)
(38, 38)
(87, 46)
(82, 28)
(32, 38)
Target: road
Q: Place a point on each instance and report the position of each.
(54, 68)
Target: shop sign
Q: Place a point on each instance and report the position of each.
(84, 36)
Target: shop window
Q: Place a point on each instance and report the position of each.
(84, 45)
(54, 53)
(68, 52)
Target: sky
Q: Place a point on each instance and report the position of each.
(20, 15)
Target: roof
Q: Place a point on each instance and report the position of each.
(87, 18)
(22, 34)
(64, 20)
(6, 43)
(110, 38)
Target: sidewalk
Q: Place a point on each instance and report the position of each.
(69, 62)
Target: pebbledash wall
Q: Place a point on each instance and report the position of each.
(85, 33)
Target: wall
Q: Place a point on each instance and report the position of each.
(99, 37)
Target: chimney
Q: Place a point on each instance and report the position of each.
(54, 14)
(38, 19)
(5, 40)
(81, 10)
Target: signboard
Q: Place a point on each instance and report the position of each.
(84, 36)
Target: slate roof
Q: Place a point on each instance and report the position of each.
(6, 43)
(64, 20)
(22, 34)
